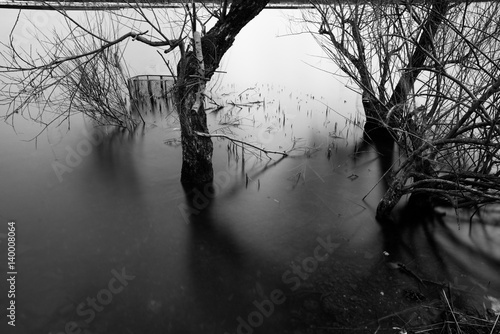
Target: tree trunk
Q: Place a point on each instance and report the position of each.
(392, 196)
(197, 150)
(402, 90)
(375, 130)
(375, 112)
(424, 46)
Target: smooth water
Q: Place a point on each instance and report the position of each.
(108, 241)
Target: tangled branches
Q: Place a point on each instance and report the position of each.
(429, 74)
(67, 74)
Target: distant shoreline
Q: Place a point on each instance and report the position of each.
(117, 5)
(105, 5)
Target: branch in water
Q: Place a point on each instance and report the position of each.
(241, 142)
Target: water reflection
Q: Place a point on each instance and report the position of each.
(446, 251)
(115, 155)
(217, 265)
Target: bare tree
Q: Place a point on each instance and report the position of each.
(86, 54)
(429, 75)
(66, 73)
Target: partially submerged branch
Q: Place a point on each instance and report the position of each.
(216, 135)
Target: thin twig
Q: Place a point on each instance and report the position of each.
(452, 312)
(495, 324)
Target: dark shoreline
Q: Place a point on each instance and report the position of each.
(117, 5)
(91, 5)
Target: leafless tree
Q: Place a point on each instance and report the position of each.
(65, 74)
(429, 75)
(86, 56)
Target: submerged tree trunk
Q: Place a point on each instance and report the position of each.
(375, 129)
(424, 47)
(392, 196)
(197, 150)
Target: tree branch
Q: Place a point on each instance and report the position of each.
(215, 135)
(417, 59)
(137, 36)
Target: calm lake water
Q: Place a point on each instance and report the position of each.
(110, 245)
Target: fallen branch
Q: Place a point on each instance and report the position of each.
(216, 135)
(245, 104)
(403, 268)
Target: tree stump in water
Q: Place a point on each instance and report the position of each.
(151, 93)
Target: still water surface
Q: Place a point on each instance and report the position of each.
(120, 215)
